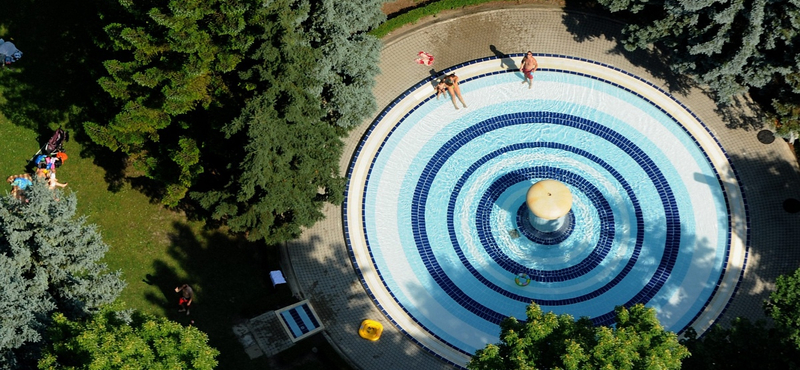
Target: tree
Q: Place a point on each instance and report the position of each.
(743, 345)
(348, 62)
(783, 305)
(728, 45)
(49, 261)
(183, 72)
(731, 46)
(313, 71)
(173, 59)
(786, 118)
(550, 341)
(113, 339)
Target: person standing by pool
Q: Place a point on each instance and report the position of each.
(450, 84)
(528, 66)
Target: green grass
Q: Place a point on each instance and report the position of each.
(414, 15)
(156, 249)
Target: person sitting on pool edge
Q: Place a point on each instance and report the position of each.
(450, 84)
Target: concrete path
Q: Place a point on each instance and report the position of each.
(320, 267)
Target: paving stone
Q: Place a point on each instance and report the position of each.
(321, 271)
(268, 332)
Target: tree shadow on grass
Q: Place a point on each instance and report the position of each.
(55, 82)
(147, 186)
(230, 277)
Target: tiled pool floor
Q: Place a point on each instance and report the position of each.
(319, 260)
(651, 227)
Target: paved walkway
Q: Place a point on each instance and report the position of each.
(321, 269)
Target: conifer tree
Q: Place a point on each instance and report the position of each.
(173, 59)
(313, 74)
(183, 67)
(728, 45)
(348, 63)
(731, 46)
(49, 261)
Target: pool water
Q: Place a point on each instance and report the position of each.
(437, 225)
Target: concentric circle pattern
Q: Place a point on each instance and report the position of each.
(437, 225)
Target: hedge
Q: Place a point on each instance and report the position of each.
(415, 15)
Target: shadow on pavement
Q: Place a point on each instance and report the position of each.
(587, 20)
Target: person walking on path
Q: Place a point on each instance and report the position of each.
(528, 66)
(450, 84)
(185, 300)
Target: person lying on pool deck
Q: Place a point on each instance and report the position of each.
(450, 84)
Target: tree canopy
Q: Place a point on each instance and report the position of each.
(783, 305)
(550, 341)
(241, 104)
(49, 262)
(173, 57)
(731, 46)
(310, 89)
(113, 339)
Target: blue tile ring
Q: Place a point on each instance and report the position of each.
(522, 279)
(436, 221)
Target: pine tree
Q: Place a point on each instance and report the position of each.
(174, 60)
(184, 66)
(728, 45)
(49, 261)
(733, 47)
(349, 56)
(313, 73)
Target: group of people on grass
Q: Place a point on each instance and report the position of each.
(45, 169)
(449, 83)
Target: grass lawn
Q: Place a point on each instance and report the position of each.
(156, 249)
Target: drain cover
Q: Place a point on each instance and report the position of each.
(766, 136)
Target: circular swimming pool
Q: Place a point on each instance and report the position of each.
(436, 221)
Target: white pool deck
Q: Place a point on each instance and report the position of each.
(319, 266)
